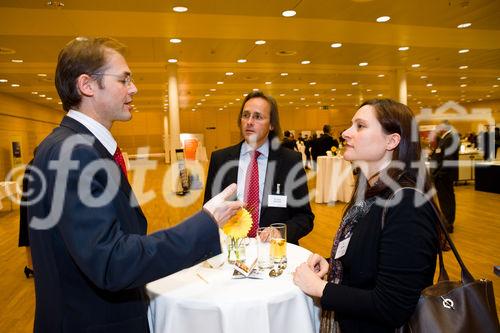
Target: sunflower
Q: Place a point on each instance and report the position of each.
(239, 225)
(333, 149)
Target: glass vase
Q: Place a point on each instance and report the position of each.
(235, 250)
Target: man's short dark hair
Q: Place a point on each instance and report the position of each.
(275, 117)
(327, 129)
(81, 56)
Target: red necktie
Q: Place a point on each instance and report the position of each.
(252, 192)
(118, 157)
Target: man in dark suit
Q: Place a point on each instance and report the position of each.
(326, 141)
(88, 234)
(288, 141)
(445, 170)
(282, 186)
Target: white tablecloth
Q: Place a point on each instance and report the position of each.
(334, 180)
(185, 303)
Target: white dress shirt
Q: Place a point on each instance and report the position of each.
(100, 132)
(245, 156)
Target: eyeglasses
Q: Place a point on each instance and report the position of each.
(245, 115)
(125, 79)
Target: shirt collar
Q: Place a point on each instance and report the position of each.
(263, 150)
(98, 130)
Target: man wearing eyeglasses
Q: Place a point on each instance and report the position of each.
(281, 194)
(91, 254)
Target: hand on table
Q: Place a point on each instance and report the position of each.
(308, 281)
(221, 209)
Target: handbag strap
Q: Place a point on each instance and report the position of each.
(443, 274)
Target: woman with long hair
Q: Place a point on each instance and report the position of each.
(384, 252)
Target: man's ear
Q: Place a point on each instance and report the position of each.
(86, 85)
(392, 141)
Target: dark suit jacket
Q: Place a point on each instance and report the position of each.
(385, 269)
(299, 218)
(325, 143)
(92, 266)
(446, 152)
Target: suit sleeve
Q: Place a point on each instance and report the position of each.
(406, 262)
(114, 260)
(302, 217)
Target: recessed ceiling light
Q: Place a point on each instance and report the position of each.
(463, 67)
(268, 82)
(355, 83)
(423, 76)
(312, 83)
(415, 65)
(498, 78)
(318, 102)
(333, 98)
(380, 95)
(429, 84)
(381, 75)
(4, 80)
(42, 74)
(220, 82)
(464, 25)
(363, 64)
(404, 48)
(463, 51)
(282, 95)
(180, 9)
(237, 99)
(17, 61)
(229, 73)
(48, 98)
(290, 102)
(383, 19)
(60, 103)
(260, 42)
(34, 92)
(463, 77)
(349, 94)
(368, 90)
(172, 61)
(213, 89)
(220, 109)
(305, 62)
(336, 45)
(206, 95)
(15, 85)
(203, 99)
(316, 94)
(495, 86)
(284, 74)
(198, 103)
(333, 89)
(295, 89)
(488, 96)
(433, 91)
(175, 40)
(242, 61)
(289, 13)
(302, 98)
(463, 85)
(230, 103)
(193, 109)
(42, 96)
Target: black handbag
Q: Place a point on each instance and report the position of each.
(466, 306)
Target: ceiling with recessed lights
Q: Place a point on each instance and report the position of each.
(334, 53)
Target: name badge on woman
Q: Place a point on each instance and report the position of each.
(342, 248)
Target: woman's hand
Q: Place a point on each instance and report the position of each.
(318, 265)
(308, 281)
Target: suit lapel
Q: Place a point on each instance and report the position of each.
(271, 171)
(78, 128)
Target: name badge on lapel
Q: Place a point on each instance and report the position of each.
(276, 200)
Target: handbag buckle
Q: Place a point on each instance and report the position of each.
(448, 303)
